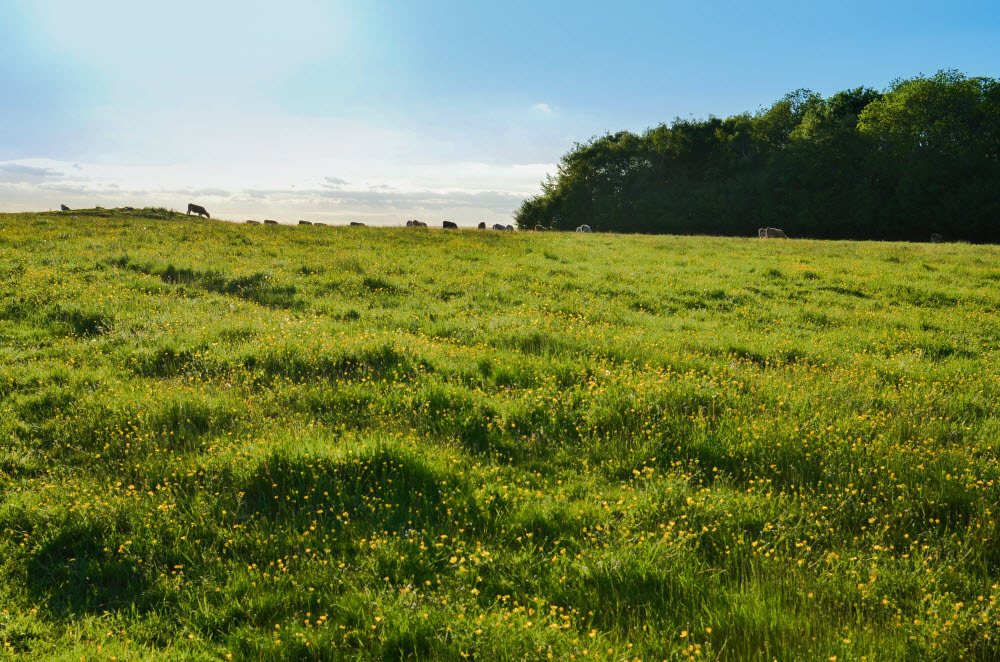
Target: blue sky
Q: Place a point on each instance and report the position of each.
(384, 111)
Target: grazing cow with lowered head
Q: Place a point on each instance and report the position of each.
(357, 224)
(450, 225)
(197, 209)
(253, 222)
(584, 228)
(304, 223)
(771, 233)
(268, 221)
(497, 226)
(936, 238)
(482, 225)
(510, 228)
(64, 207)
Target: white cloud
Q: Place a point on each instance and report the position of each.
(543, 108)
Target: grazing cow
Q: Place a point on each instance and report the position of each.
(305, 223)
(450, 225)
(357, 224)
(510, 228)
(409, 224)
(539, 228)
(197, 209)
(584, 228)
(936, 238)
(419, 224)
(482, 225)
(253, 222)
(64, 207)
(268, 221)
(497, 226)
(771, 233)
(320, 224)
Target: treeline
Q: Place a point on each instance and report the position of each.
(922, 157)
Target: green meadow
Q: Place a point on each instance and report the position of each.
(224, 441)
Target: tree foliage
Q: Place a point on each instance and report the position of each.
(919, 158)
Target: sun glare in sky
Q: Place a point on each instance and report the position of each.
(380, 112)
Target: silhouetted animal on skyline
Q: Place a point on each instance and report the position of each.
(197, 209)
(64, 207)
(449, 225)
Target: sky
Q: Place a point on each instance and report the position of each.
(379, 112)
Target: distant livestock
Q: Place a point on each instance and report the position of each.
(64, 207)
(197, 209)
(482, 225)
(268, 221)
(584, 228)
(320, 224)
(357, 224)
(771, 233)
(509, 228)
(450, 225)
(416, 224)
(936, 238)
(253, 222)
(305, 223)
(497, 226)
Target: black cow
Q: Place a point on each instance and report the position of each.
(450, 225)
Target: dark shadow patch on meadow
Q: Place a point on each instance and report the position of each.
(535, 343)
(845, 291)
(448, 412)
(381, 362)
(73, 571)
(623, 588)
(258, 287)
(171, 361)
(380, 489)
(920, 297)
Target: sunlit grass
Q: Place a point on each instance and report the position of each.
(285, 443)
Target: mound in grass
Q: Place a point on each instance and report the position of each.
(217, 440)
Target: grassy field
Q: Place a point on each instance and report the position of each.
(291, 443)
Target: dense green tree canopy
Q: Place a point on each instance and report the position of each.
(922, 157)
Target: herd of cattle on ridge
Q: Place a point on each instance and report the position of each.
(763, 233)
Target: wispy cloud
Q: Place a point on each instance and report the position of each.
(543, 108)
(14, 173)
(335, 182)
